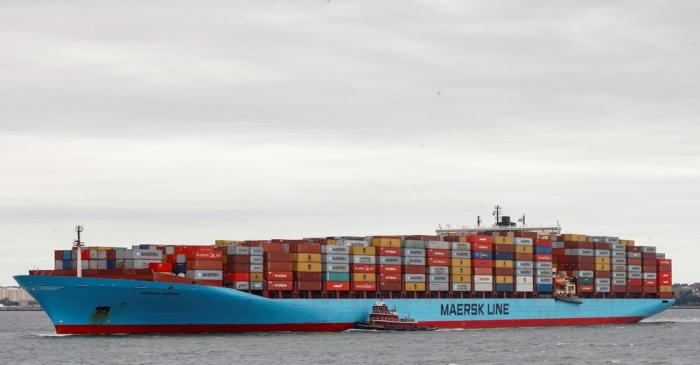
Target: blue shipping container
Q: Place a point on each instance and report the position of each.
(504, 255)
(179, 268)
(67, 265)
(543, 250)
(544, 288)
(504, 287)
(67, 255)
(111, 264)
(480, 255)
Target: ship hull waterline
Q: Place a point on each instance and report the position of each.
(113, 306)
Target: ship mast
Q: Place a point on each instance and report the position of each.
(77, 244)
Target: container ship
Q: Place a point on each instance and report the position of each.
(503, 275)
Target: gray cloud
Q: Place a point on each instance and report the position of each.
(180, 122)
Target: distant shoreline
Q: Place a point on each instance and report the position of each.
(686, 306)
(21, 309)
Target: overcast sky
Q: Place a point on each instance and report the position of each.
(185, 122)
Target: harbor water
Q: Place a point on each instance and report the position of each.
(668, 338)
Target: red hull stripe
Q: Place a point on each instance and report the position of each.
(326, 327)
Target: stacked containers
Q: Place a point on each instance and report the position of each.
(650, 282)
(140, 257)
(204, 265)
(460, 267)
(389, 259)
(336, 267)
(603, 264)
(306, 263)
(664, 279)
(63, 260)
(438, 265)
(237, 267)
(635, 279)
(277, 268)
(579, 261)
(257, 277)
(543, 265)
(618, 273)
(363, 266)
(524, 266)
(504, 253)
(482, 247)
(413, 260)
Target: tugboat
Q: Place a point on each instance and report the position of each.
(383, 318)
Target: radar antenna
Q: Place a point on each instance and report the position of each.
(497, 212)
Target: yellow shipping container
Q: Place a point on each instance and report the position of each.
(665, 288)
(386, 242)
(508, 264)
(414, 286)
(602, 267)
(627, 242)
(306, 257)
(523, 249)
(306, 266)
(461, 262)
(461, 270)
(503, 240)
(461, 278)
(574, 237)
(602, 260)
(224, 243)
(504, 279)
(364, 276)
(363, 250)
(256, 276)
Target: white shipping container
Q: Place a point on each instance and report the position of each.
(524, 272)
(649, 275)
(237, 250)
(619, 267)
(543, 265)
(634, 275)
(258, 251)
(439, 270)
(483, 287)
(482, 279)
(634, 268)
(583, 273)
(660, 255)
(141, 254)
(544, 273)
(180, 258)
(128, 264)
(634, 255)
(619, 275)
(390, 260)
(339, 259)
(420, 261)
(602, 288)
(364, 259)
(602, 281)
(523, 287)
(461, 246)
(414, 278)
(524, 280)
(612, 240)
(618, 261)
(256, 268)
(648, 249)
(256, 260)
(58, 265)
(205, 274)
(522, 241)
(524, 265)
(257, 285)
(439, 278)
(341, 250)
(413, 252)
(92, 264)
(461, 254)
(438, 245)
(355, 243)
(618, 247)
(102, 264)
(438, 286)
(461, 287)
(93, 254)
(619, 254)
(336, 267)
(558, 244)
(619, 281)
(241, 285)
(544, 280)
(602, 253)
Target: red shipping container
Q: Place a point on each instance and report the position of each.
(664, 262)
(307, 276)
(389, 251)
(337, 285)
(320, 241)
(519, 256)
(204, 265)
(363, 268)
(112, 255)
(390, 269)
(389, 277)
(665, 282)
(618, 288)
(664, 275)
(503, 271)
(422, 237)
(85, 254)
(208, 282)
(649, 268)
(449, 239)
(299, 247)
(439, 253)
(237, 259)
(414, 269)
(58, 255)
(634, 261)
(236, 276)
(364, 286)
(309, 285)
(274, 247)
(649, 282)
(436, 261)
(602, 246)
(278, 276)
(483, 247)
(649, 256)
(237, 267)
(542, 258)
(277, 256)
(558, 251)
(203, 253)
(482, 263)
(278, 266)
(634, 289)
(161, 266)
(279, 285)
(663, 268)
(502, 247)
(483, 271)
(584, 288)
(649, 289)
(543, 242)
(603, 274)
(480, 239)
(390, 285)
(634, 282)
(532, 235)
(634, 249)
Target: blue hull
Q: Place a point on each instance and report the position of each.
(98, 306)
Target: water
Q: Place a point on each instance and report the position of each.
(670, 337)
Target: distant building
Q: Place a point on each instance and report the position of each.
(16, 294)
